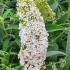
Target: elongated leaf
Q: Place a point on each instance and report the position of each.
(64, 24)
(67, 67)
(3, 53)
(51, 53)
(53, 47)
(1, 9)
(54, 27)
(69, 11)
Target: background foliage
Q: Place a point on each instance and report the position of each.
(58, 56)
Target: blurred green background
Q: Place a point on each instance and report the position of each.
(58, 56)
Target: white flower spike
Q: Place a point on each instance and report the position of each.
(33, 35)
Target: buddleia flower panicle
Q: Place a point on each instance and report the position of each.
(33, 35)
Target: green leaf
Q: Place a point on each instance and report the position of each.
(1, 26)
(1, 8)
(52, 53)
(54, 5)
(16, 68)
(5, 59)
(17, 41)
(53, 47)
(2, 53)
(67, 67)
(54, 27)
(69, 11)
(7, 13)
(13, 53)
(1, 22)
(64, 24)
(5, 44)
(12, 26)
